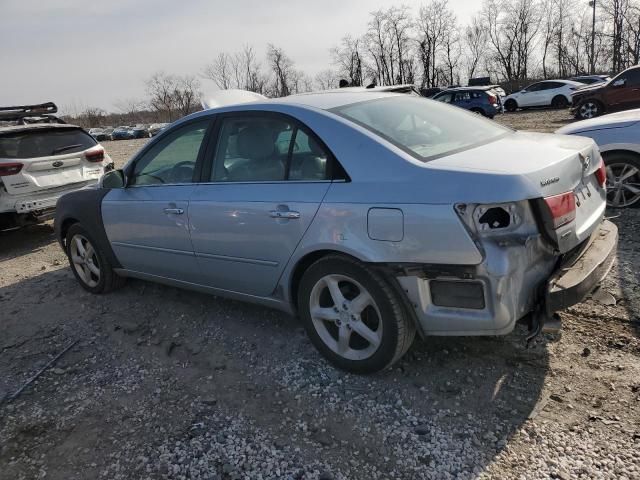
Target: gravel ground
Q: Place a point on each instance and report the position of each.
(169, 384)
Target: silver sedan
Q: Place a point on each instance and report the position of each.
(618, 138)
(370, 215)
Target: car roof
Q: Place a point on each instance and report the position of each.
(35, 126)
(329, 99)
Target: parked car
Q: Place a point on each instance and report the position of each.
(482, 100)
(548, 93)
(108, 131)
(156, 128)
(591, 79)
(122, 133)
(618, 138)
(99, 134)
(620, 93)
(372, 215)
(42, 158)
(139, 132)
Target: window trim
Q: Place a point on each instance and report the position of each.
(197, 171)
(333, 165)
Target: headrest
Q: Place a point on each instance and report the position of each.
(255, 141)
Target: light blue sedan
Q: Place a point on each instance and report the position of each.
(371, 215)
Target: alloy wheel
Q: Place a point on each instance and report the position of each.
(346, 317)
(84, 260)
(589, 110)
(623, 185)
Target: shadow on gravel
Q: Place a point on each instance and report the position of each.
(627, 271)
(451, 403)
(21, 242)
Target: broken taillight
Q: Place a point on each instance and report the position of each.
(94, 154)
(562, 208)
(492, 99)
(601, 174)
(7, 169)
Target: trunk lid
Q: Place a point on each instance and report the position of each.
(549, 165)
(49, 158)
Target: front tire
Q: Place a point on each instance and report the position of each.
(510, 105)
(353, 316)
(589, 109)
(88, 264)
(623, 180)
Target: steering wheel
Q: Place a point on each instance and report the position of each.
(187, 166)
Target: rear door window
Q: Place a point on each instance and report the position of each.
(44, 143)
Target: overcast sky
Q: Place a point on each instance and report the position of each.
(95, 53)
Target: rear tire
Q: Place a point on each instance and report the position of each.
(353, 316)
(88, 263)
(559, 101)
(510, 105)
(623, 180)
(479, 111)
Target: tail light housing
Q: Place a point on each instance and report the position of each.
(7, 169)
(94, 154)
(601, 174)
(492, 99)
(562, 208)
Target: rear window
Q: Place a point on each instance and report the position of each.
(44, 143)
(423, 128)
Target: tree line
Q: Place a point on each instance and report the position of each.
(510, 41)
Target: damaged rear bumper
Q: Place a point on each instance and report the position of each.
(573, 281)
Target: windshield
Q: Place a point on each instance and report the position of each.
(424, 128)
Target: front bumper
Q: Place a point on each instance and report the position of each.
(572, 282)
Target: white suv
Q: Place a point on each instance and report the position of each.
(42, 158)
(548, 93)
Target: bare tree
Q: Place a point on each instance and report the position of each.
(186, 94)
(326, 79)
(173, 95)
(220, 71)
(348, 58)
(475, 45)
(512, 27)
(130, 109)
(282, 69)
(435, 23)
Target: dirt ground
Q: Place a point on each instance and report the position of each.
(169, 384)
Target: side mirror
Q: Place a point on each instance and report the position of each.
(619, 83)
(524, 90)
(113, 179)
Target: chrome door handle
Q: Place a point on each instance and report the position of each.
(288, 214)
(174, 211)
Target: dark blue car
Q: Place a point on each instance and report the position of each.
(122, 133)
(481, 100)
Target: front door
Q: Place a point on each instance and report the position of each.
(262, 191)
(147, 222)
(623, 92)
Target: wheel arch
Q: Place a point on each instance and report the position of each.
(633, 150)
(311, 257)
(304, 263)
(64, 228)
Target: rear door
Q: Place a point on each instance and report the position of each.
(463, 100)
(267, 177)
(147, 222)
(47, 158)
